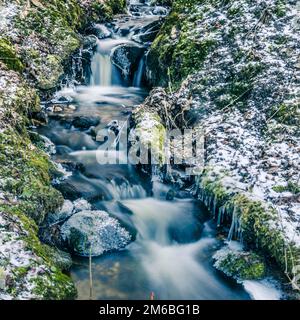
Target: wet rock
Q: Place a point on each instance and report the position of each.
(50, 235)
(123, 32)
(69, 191)
(40, 117)
(183, 195)
(147, 37)
(85, 122)
(127, 58)
(64, 213)
(90, 42)
(63, 150)
(114, 127)
(101, 31)
(57, 108)
(61, 259)
(76, 187)
(70, 165)
(160, 11)
(95, 231)
(170, 195)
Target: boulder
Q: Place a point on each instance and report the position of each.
(241, 265)
(148, 32)
(126, 58)
(69, 190)
(89, 42)
(95, 231)
(65, 212)
(85, 122)
(101, 31)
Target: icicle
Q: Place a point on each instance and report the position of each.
(210, 202)
(233, 225)
(221, 216)
(215, 203)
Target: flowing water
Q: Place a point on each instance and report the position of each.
(174, 240)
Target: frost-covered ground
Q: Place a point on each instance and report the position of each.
(24, 267)
(245, 139)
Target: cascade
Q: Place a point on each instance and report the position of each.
(171, 254)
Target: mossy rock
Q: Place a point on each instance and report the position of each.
(53, 283)
(240, 265)
(258, 223)
(174, 54)
(9, 57)
(49, 71)
(26, 174)
(152, 134)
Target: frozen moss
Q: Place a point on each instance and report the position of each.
(240, 265)
(290, 187)
(151, 134)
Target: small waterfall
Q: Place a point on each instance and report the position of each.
(138, 77)
(101, 69)
(172, 251)
(126, 190)
(173, 267)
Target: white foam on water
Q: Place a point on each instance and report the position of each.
(262, 289)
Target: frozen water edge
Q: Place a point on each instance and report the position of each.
(262, 289)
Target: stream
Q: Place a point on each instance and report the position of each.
(171, 256)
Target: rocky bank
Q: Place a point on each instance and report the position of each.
(229, 68)
(232, 69)
(37, 40)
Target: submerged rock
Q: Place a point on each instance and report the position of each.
(95, 231)
(85, 122)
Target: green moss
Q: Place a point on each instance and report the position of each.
(167, 3)
(242, 265)
(280, 9)
(9, 57)
(26, 174)
(288, 114)
(190, 55)
(258, 222)
(20, 272)
(290, 187)
(117, 6)
(154, 136)
(175, 49)
(215, 189)
(53, 284)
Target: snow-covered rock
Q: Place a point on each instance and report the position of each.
(81, 205)
(94, 232)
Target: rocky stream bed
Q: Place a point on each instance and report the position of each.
(72, 71)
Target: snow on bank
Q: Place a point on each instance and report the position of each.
(17, 260)
(7, 14)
